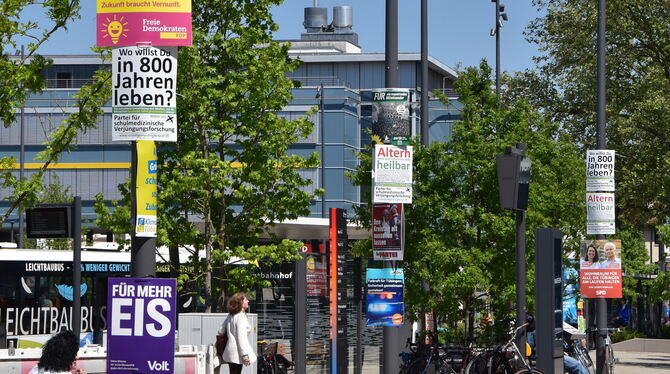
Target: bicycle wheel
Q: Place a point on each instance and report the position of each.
(452, 361)
(526, 371)
(609, 357)
(499, 364)
(583, 357)
(477, 365)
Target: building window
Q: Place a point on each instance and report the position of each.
(64, 79)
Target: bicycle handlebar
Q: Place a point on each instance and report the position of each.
(608, 329)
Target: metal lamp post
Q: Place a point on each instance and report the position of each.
(601, 304)
(500, 17)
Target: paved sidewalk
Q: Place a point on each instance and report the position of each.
(641, 363)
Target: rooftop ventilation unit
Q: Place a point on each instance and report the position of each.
(343, 18)
(316, 19)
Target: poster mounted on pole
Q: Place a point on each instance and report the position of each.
(146, 189)
(600, 170)
(144, 94)
(141, 314)
(392, 174)
(600, 214)
(127, 23)
(384, 299)
(387, 231)
(391, 122)
(600, 268)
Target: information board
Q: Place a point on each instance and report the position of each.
(48, 222)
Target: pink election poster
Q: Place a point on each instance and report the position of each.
(156, 23)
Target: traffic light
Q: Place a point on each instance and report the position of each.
(513, 177)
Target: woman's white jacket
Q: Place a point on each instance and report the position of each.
(238, 329)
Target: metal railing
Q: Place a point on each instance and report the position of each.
(67, 83)
(448, 92)
(317, 81)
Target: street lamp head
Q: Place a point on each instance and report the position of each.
(504, 17)
(493, 32)
(501, 7)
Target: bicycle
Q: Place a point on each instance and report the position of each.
(458, 357)
(269, 361)
(479, 363)
(507, 359)
(422, 356)
(576, 350)
(610, 361)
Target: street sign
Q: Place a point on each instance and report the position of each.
(392, 174)
(600, 170)
(600, 214)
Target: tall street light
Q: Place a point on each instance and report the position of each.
(601, 140)
(500, 17)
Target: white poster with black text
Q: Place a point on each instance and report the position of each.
(600, 170)
(144, 94)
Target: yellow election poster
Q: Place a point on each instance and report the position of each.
(146, 187)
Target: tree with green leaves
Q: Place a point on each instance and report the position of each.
(21, 75)
(230, 176)
(638, 91)
(458, 239)
(563, 87)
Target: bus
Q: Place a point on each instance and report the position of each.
(36, 292)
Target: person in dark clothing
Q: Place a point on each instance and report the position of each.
(623, 316)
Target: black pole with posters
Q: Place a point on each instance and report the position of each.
(390, 361)
(601, 304)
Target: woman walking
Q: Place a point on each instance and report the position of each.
(238, 351)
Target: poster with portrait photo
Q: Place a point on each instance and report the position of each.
(600, 268)
(387, 231)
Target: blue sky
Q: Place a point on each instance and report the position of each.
(458, 30)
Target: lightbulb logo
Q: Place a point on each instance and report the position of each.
(115, 29)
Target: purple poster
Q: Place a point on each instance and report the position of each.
(141, 325)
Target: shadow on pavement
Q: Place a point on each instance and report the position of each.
(648, 362)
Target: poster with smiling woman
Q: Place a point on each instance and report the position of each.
(600, 268)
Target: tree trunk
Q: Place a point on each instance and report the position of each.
(174, 261)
